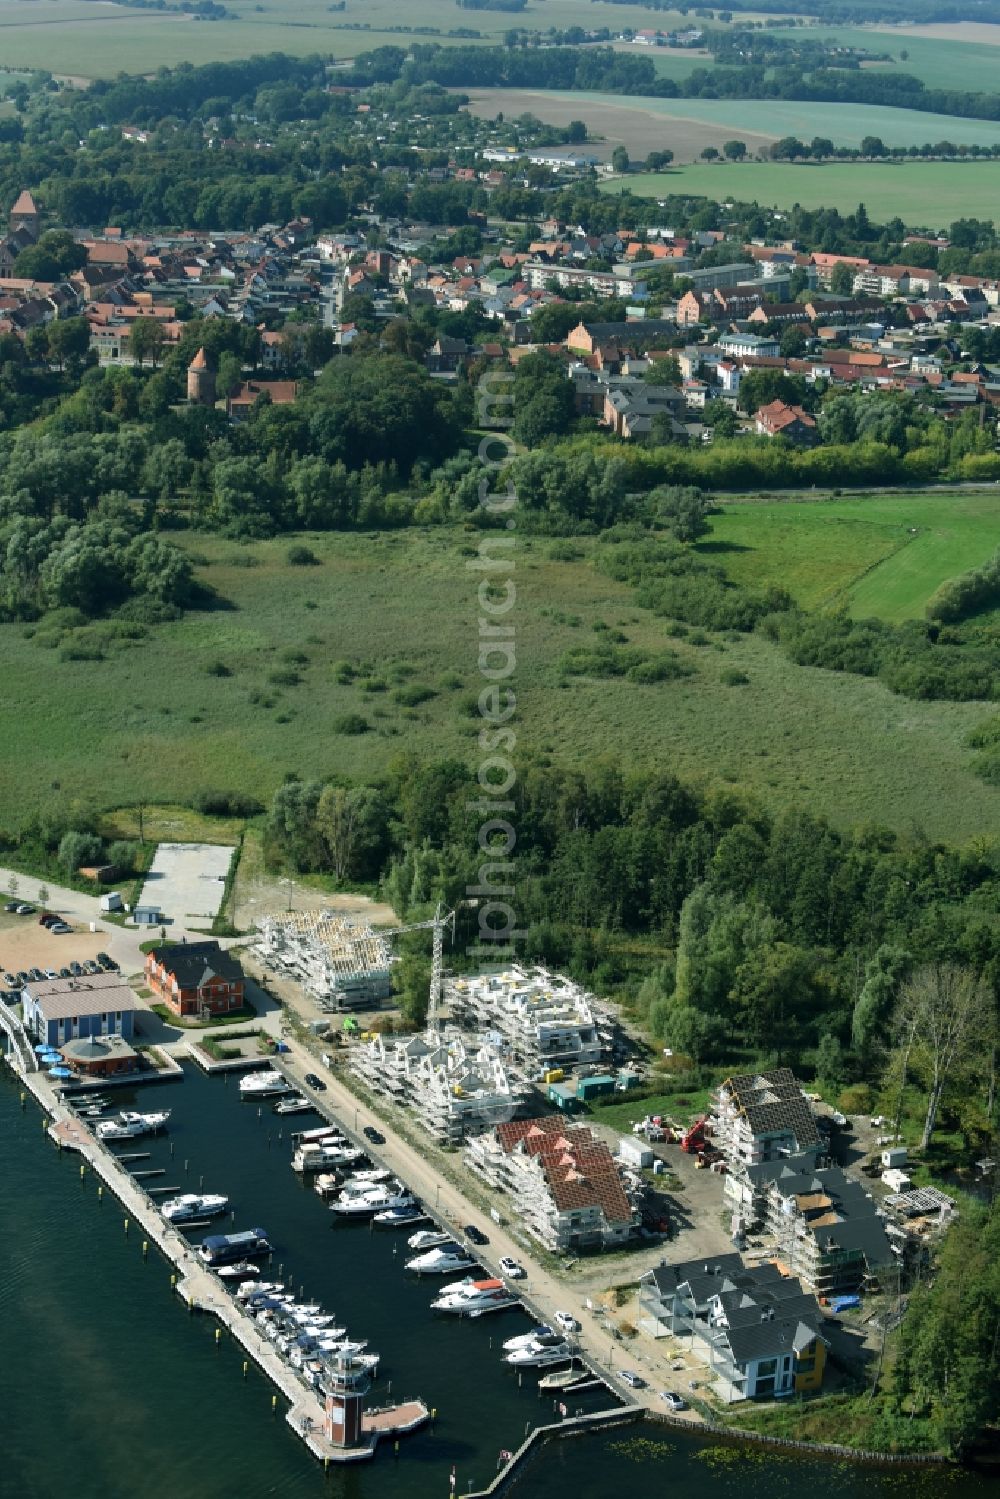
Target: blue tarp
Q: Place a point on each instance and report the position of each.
(844, 1303)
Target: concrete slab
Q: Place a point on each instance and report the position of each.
(186, 882)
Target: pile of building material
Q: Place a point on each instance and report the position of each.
(342, 963)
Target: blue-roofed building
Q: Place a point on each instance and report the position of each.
(61, 1010)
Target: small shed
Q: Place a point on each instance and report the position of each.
(893, 1157)
(563, 1096)
(112, 901)
(147, 915)
(594, 1087)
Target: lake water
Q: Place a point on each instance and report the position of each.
(112, 1390)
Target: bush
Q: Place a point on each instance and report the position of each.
(300, 556)
(218, 669)
(351, 723)
(734, 678)
(284, 676)
(413, 694)
(213, 803)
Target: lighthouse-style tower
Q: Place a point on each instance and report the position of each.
(347, 1384)
(201, 381)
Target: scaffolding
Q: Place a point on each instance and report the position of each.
(341, 963)
(454, 1088)
(544, 1020)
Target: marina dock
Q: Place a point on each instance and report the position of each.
(202, 1291)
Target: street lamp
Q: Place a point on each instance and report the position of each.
(291, 886)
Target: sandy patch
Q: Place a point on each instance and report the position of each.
(256, 899)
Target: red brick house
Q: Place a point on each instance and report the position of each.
(780, 420)
(195, 977)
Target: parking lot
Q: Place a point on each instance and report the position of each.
(186, 881)
(25, 945)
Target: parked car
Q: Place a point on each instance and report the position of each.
(50, 973)
(673, 1402)
(23, 977)
(64, 973)
(11, 907)
(511, 1268)
(36, 975)
(634, 1381)
(25, 910)
(108, 964)
(374, 1135)
(76, 969)
(59, 927)
(566, 1322)
(45, 917)
(91, 966)
(476, 1234)
(10, 980)
(315, 1082)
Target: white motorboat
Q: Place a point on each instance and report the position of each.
(428, 1238)
(365, 1202)
(327, 1184)
(263, 1085)
(524, 1338)
(129, 1126)
(323, 1132)
(294, 1105)
(248, 1288)
(400, 1217)
(474, 1298)
(237, 1272)
(324, 1155)
(540, 1352)
(367, 1178)
(444, 1260)
(194, 1205)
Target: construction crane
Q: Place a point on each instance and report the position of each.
(437, 924)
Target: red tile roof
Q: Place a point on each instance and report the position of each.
(579, 1170)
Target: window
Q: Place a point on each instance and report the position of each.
(766, 1367)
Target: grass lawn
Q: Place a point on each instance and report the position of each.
(923, 193)
(679, 1106)
(937, 62)
(152, 723)
(881, 555)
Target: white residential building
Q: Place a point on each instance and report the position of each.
(763, 1116)
(545, 1019)
(565, 1182)
(454, 1091)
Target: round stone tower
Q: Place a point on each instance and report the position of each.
(201, 381)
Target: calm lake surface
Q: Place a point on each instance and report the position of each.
(112, 1390)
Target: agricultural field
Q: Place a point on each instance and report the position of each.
(924, 194)
(638, 124)
(881, 555)
(85, 39)
(240, 695)
(940, 61)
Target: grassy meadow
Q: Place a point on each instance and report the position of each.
(95, 38)
(878, 555)
(938, 61)
(928, 194)
(240, 695)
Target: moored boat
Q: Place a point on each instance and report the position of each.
(194, 1205)
(222, 1249)
(402, 1217)
(428, 1238)
(474, 1298)
(130, 1126)
(296, 1104)
(441, 1261)
(263, 1085)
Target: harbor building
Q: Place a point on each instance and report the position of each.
(454, 1088)
(763, 1116)
(342, 963)
(757, 1330)
(546, 1020)
(60, 1010)
(196, 978)
(100, 1056)
(566, 1184)
(823, 1227)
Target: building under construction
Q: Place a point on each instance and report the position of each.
(543, 1019)
(342, 963)
(455, 1087)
